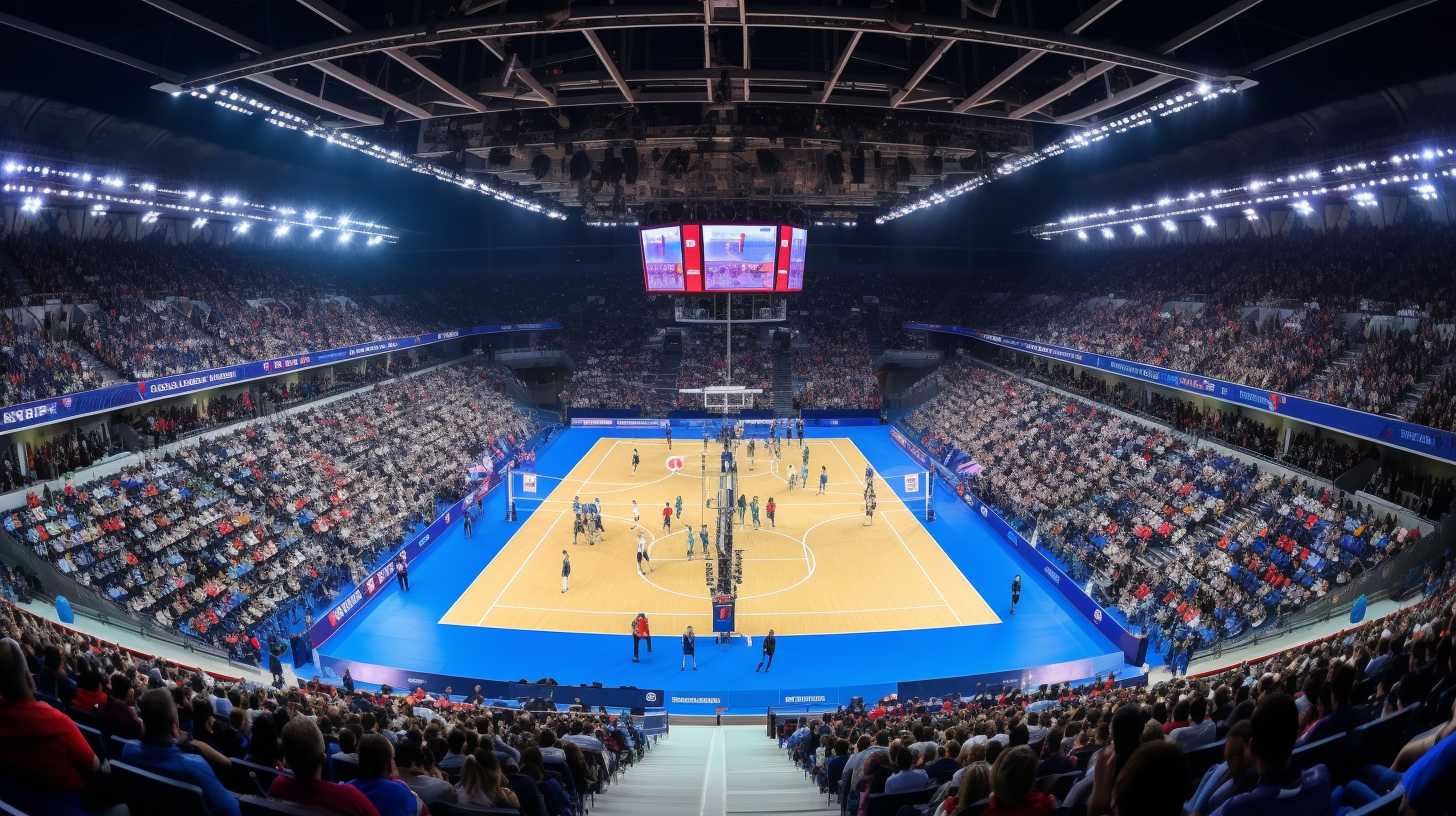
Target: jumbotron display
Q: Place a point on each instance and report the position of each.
(724, 258)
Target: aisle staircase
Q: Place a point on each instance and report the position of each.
(709, 770)
(1347, 358)
(668, 366)
(783, 376)
(1417, 392)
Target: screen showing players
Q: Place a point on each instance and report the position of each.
(662, 259)
(738, 257)
(798, 248)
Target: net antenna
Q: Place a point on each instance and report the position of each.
(725, 399)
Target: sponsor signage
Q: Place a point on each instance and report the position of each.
(59, 409)
(1397, 433)
(333, 669)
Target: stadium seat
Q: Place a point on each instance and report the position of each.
(252, 805)
(1058, 785)
(1202, 758)
(148, 794)
(1332, 752)
(1387, 805)
(116, 744)
(94, 738)
(889, 804)
(342, 770)
(1380, 740)
(251, 778)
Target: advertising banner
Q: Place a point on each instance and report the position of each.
(1385, 430)
(333, 669)
(70, 406)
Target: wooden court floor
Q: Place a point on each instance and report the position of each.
(820, 570)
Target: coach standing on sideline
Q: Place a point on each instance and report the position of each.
(640, 632)
(770, 643)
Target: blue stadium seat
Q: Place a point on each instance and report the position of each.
(888, 804)
(1332, 752)
(1387, 805)
(342, 770)
(1202, 758)
(95, 738)
(1058, 785)
(149, 794)
(1378, 741)
(251, 778)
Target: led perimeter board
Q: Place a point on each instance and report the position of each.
(723, 258)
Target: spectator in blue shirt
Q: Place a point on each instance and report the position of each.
(908, 776)
(378, 781)
(158, 753)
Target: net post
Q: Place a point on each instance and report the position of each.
(929, 495)
(510, 493)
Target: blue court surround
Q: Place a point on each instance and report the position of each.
(401, 629)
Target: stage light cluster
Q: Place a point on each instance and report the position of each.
(1299, 191)
(1176, 103)
(39, 182)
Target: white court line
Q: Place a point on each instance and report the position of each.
(775, 614)
(901, 539)
(707, 767)
(539, 542)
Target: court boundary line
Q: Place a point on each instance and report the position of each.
(903, 544)
(532, 554)
(871, 610)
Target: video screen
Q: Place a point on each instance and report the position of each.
(798, 249)
(738, 257)
(662, 259)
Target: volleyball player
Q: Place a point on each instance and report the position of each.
(636, 514)
(770, 508)
(691, 542)
(644, 562)
(804, 477)
(870, 505)
(753, 509)
(1015, 593)
(751, 460)
(703, 539)
(677, 508)
(667, 517)
(667, 428)
(580, 528)
(636, 460)
(823, 479)
(565, 570)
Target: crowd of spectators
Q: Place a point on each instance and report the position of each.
(831, 354)
(1389, 366)
(215, 538)
(705, 363)
(341, 748)
(1365, 717)
(1193, 544)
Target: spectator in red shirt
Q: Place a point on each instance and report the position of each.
(1012, 794)
(46, 760)
(303, 747)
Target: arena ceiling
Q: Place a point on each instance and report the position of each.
(817, 109)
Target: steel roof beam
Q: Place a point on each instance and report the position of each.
(277, 85)
(1218, 19)
(925, 68)
(249, 44)
(94, 49)
(518, 70)
(1025, 61)
(620, 17)
(839, 66)
(596, 44)
(1335, 33)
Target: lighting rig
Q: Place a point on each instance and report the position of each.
(1415, 172)
(39, 182)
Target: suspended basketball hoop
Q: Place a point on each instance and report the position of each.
(725, 399)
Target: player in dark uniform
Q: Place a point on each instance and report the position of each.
(668, 430)
(1015, 593)
(636, 460)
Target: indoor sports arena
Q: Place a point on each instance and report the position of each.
(854, 408)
